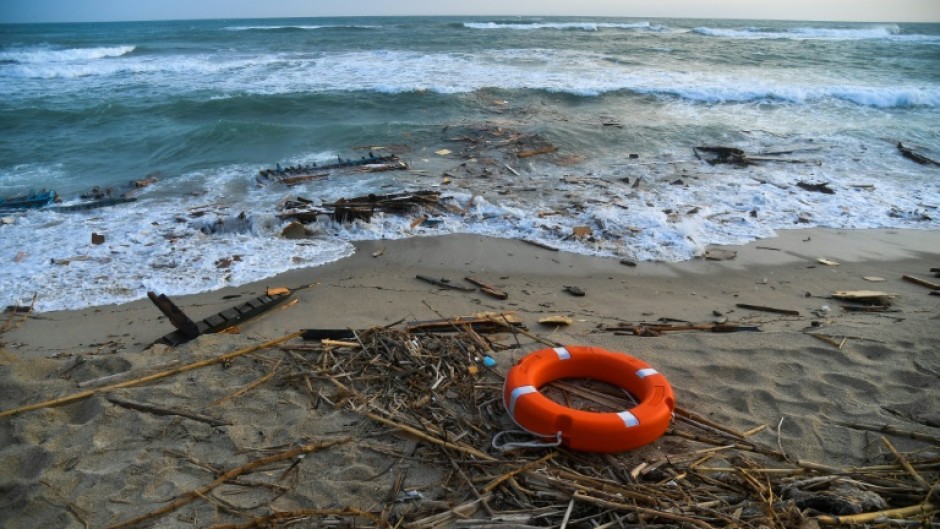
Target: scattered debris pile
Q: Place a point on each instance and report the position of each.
(296, 174)
(442, 391)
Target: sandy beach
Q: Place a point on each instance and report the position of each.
(96, 464)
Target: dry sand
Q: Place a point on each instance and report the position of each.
(99, 463)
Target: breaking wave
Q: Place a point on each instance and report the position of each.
(582, 26)
(808, 33)
(48, 55)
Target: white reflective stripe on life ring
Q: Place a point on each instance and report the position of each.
(643, 373)
(629, 419)
(562, 353)
(516, 393)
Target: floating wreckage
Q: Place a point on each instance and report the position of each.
(296, 174)
(30, 200)
(359, 208)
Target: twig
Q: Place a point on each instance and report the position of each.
(923, 508)
(905, 463)
(156, 410)
(892, 431)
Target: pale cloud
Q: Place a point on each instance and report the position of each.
(107, 10)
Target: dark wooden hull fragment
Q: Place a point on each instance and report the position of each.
(187, 329)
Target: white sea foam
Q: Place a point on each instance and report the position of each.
(889, 31)
(304, 27)
(392, 71)
(227, 233)
(584, 26)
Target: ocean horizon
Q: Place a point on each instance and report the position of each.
(197, 108)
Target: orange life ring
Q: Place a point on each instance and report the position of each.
(584, 430)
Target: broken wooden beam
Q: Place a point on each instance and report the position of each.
(173, 313)
(219, 321)
(328, 334)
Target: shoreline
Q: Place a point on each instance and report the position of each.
(509, 263)
(808, 394)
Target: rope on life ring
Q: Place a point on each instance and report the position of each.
(584, 430)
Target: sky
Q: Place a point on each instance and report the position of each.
(19, 11)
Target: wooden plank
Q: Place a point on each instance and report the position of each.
(223, 320)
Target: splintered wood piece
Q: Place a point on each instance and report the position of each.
(489, 290)
(859, 295)
(828, 262)
(922, 282)
(277, 291)
(173, 313)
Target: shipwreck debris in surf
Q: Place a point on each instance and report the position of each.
(297, 174)
(360, 208)
(911, 154)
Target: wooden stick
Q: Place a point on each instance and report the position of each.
(892, 431)
(681, 412)
(418, 433)
(150, 408)
(116, 377)
(866, 517)
(528, 466)
(489, 290)
(192, 495)
(75, 397)
(922, 282)
(241, 391)
(643, 510)
(905, 463)
(767, 309)
(266, 521)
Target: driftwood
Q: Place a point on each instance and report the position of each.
(443, 283)
(818, 188)
(158, 410)
(922, 282)
(767, 309)
(489, 290)
(482, 323)
(910, 154)
(656, 329)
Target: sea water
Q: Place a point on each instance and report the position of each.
(204, 105)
